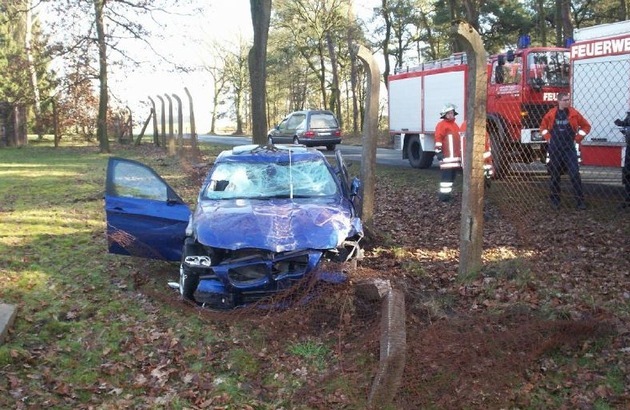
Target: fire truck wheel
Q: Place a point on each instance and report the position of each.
(418, 158)
(498, 156)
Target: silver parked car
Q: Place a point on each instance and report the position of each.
(310, 127)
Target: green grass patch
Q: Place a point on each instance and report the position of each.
(243, 362)
(313, 353)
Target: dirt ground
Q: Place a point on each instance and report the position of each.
(544, 324)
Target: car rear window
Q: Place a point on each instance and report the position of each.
(323, 120)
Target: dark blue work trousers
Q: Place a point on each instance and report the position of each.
(560, 161)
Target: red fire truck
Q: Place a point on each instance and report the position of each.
(600, 88)
(522, 87)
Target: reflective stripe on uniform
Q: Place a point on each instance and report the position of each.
(451, 162)
(450, 165)
(452, 159)
(446, 187)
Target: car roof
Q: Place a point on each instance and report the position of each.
(312, 112)
(265, 153)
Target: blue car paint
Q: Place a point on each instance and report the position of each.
(144, 227)
(158, 227)
(162, 237)
(279, 225)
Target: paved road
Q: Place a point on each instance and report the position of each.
(350, 152)
(590, 175)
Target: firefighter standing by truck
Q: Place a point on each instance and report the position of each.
(448, 150)
(563, 127)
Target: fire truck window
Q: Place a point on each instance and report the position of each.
(499, 75)
(513, 71)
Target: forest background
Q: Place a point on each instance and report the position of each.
(61, 59)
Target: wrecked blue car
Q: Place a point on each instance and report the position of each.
(266, 218)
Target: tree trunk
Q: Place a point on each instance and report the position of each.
(239, 115)
(452, 8)
(56, 136)
(542, 26)
(558, 21)
(322, 75)
(335, 92)
(218, 89)
(353, 73)
(567, 26)
(101, 130)
(427, 23)
(28, 38)
(472, 12)
(261, 16)
(385, 42)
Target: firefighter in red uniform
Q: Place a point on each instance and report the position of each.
(448, 150)
(563, 127)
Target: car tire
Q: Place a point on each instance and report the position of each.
(418, 158)
(330, 147)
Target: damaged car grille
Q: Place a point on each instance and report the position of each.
(240, 280)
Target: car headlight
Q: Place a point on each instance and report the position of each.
(537, 136)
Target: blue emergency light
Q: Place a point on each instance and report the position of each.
(524, 41)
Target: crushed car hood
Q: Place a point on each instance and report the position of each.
(278, 225)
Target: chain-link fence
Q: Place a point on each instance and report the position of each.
(526, 171)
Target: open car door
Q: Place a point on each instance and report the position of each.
(145, 217)
(352, 187)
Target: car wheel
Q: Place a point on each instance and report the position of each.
(418, 158)
(187, 283)
(296, 140)
(330, 147)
